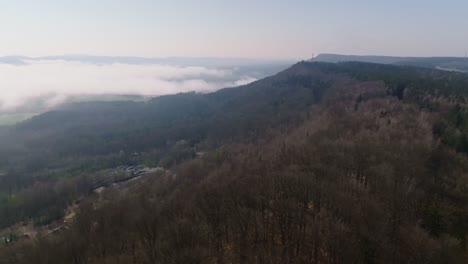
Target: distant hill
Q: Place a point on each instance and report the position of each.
(13, 60)
(184, 61)
(442, 63)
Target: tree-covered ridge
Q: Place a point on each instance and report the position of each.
(437, 91)
(456, 64)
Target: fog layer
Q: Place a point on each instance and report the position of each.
(54, 80)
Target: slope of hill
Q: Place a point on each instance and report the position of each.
(320, 163)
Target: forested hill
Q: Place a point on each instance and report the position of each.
(321, 163)
(103, 127)
(459, 64)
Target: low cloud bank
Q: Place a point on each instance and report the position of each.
(53, 81)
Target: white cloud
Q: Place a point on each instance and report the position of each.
(57, 79)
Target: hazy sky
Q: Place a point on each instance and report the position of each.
(240, 28)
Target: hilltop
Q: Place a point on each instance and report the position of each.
(442, 63)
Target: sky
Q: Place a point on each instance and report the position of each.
(242, 28)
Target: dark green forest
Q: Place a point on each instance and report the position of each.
(321, 163)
